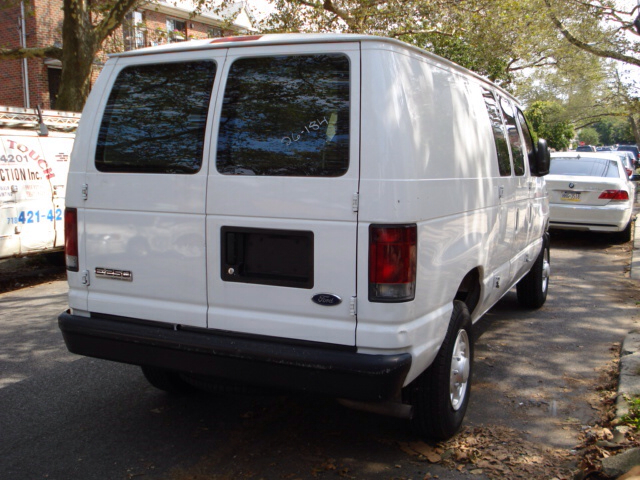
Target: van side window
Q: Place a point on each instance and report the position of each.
(286, 116)
(155, 119)
(526, 134)
(504, 163)
(517, 152)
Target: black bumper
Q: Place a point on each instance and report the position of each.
(332, 370)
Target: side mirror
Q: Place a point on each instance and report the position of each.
(543, 159)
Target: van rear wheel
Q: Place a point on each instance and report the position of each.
(166, 380)
(440, 395)
(533, 287)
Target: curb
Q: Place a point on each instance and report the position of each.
(629, 375)
(634, 271)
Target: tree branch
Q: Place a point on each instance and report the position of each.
(587, 47)
(20, 53)
(114, 18)
(329, 6)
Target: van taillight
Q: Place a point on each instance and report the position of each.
(614, 195)
(392, 263)
(71, 239)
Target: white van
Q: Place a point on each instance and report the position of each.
(329, 213)
(35, 147)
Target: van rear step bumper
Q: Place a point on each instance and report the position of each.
(320, 368)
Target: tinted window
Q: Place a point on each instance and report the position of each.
(504, 164)
(517, 152)
(155, 119)
(528, 139)
(591, 167)
(287, 116)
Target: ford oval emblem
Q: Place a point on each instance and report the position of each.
(327, 299)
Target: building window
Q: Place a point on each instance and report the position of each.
(176, 30)
(134, 31)
(53, 76)
(214, 32)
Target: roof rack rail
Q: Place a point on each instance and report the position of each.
(32, 119)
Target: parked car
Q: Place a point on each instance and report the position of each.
(605, 149)
(353, 205)
(586, 148)
(630, 148)
(590, 192)
(628, 161)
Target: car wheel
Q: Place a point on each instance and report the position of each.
(625, 235)
(166, 380)
(533, 287)
(440, 395)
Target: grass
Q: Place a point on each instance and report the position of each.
(632, 418)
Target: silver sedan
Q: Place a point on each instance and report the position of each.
(591, 192)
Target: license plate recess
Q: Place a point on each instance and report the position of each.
(267, 257)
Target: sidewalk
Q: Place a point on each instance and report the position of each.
(629, 376)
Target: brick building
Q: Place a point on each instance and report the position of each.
(27, 83)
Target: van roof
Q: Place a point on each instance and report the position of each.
(293, 39)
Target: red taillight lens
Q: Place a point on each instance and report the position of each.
(392, 263)
(614, 195)
(629, 172)
(71, 239)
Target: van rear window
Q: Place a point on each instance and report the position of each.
(155, 119)
(286, 116)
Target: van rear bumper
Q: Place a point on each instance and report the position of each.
(327, 369)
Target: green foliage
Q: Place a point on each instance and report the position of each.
(614, 130)
(589, 136)
(546, 119)
(633, 417)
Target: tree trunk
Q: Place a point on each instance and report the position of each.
(79, 51)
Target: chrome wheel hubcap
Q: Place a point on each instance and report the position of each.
(460, 370)
(546, 270)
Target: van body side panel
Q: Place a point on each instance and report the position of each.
(33, 173)
(267, 186)
(433, 161)
(9, 241)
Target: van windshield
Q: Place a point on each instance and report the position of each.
(286, 116)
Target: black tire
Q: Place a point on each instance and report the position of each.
(533, 287)
(625, 235)
(439, 406)
(166, 380)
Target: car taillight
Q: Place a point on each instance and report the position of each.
(71, 239)
(629, 172)
(392, 263)
(614, 195)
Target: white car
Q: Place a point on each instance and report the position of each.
(591, 192)
(627, 162)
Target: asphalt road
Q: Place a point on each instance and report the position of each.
(68, 417)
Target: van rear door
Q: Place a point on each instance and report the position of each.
(143, 217)
(282, 194)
